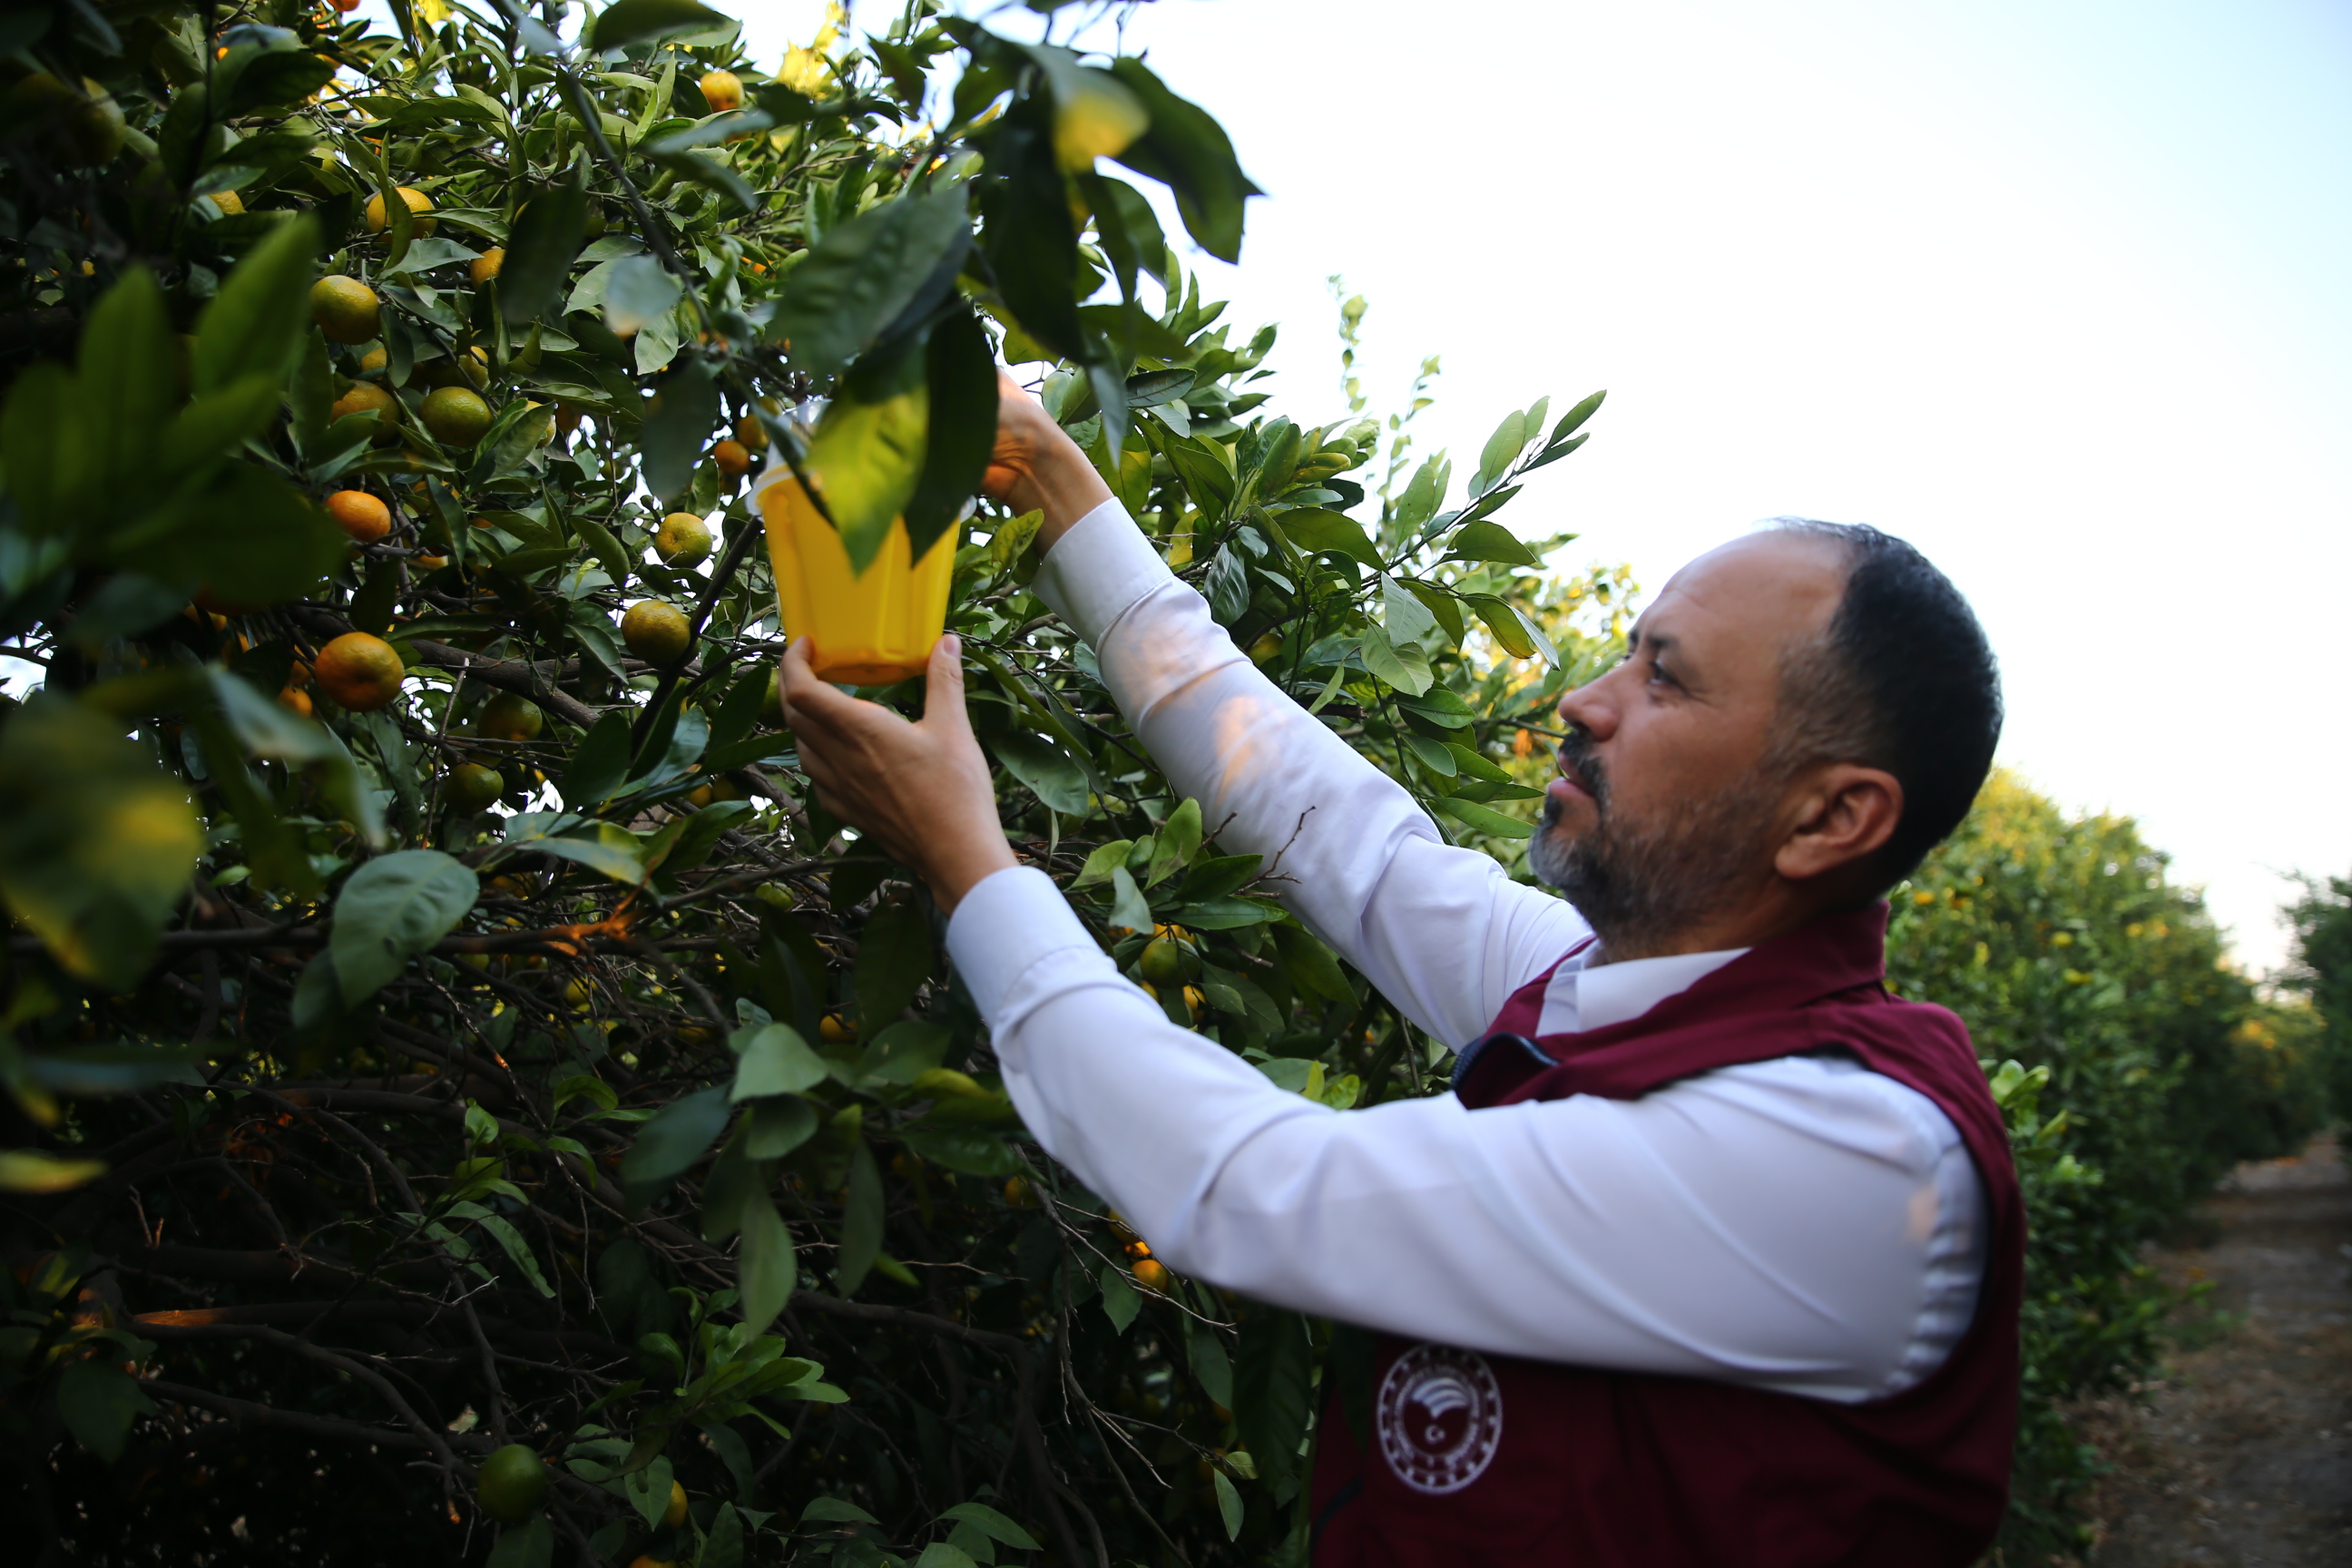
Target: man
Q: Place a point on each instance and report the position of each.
(1714, 1255)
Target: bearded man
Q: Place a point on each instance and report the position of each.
(1712, 1256)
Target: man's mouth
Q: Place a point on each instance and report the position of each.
(1570, 784)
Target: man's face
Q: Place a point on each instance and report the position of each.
(1667, 806)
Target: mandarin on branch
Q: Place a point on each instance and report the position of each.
(359, 670)
(417, 202)
(683, 540)
(346, 310)
(360, 514)
(657, 631)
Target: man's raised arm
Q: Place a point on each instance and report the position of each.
(1442, 933)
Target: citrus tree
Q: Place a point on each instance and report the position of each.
(464, 1099)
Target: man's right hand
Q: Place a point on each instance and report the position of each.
(1037, 468)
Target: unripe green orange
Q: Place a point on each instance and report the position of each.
(513, 1484)
(510, 716)
(346, 310)
(682, 540)
(473, 787)
(656, 632)
(456, 415)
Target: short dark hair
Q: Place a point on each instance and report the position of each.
(1902, 678)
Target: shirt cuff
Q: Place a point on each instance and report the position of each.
(1002, 933)
(1098, 571)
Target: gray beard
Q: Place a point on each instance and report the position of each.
(1641, 885)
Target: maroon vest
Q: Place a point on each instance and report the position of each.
(1491, 1460)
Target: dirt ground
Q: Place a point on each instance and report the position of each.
(2242, 1454)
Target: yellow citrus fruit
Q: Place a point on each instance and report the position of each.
(732, 459)
(456, 415)
(717, 789)
(512, 1485)
(360, 514)
(1194, 1001)
(359, 671)
(645, 1560)
(835, 1030)
(510, 716)
(675, 1514)
(417, 202)
(723, 90)
(473, 787)
(682, 540)
(228, 202)
(1168, 961)
(579, 992)
(1153, 1276)
(298, 701)
(1019, 1194)
(431, 563)
(373, 402)
(484, 266)
(77, 127)
(567, 418)
(346, 310)
(751, 433)
(471, 368)
(772, 706)
(657, 631)
(375, 362)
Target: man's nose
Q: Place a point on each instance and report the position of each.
(1588, 708)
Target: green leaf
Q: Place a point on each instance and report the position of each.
(861, 1221)
(777, 1127)
(1430, 754)
(96, 845)
(894, 959)
(863, 274)
(1177, 841)
(1490, 542)
(1130, 236)
(641, 21)
(903, 1052)
(1029, 239)
(98, 1401)
(1119, 1301)
(1229, 1503)
(960, 373)
(974, 1153)
(548, 234)
(867, 453)
(1105, 860)
(1210, 1366)
(993, 1525)
(30, 1171)
(939, 1554)
(248, 535)
(723, 1548)
(256, 320)
(639, 293)
(1315, 531)
(668, 1146)
(531, 1544)
(1129, 908)
(129, 373)
(600, 765)
(1189, 152)
(1423, 494)
(1271, 1388)
(684, 842)
(393, 908)
(773, 1059)
(114, 1069)
(1480, 819)
(1217, 876)
(1509, 628)
(1311, 965)
(1404, 617)
(1050, 772)
(674, 433)
(1571, 421)
(1406, 668)
(1502, 449)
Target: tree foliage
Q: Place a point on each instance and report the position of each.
(2137, 1067)
(521, 1056)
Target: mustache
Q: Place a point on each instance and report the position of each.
(1580, 754)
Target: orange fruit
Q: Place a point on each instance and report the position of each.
(456, 415)
(375, 361)
(360, 514)
(723, 90)
(645, 1560)
(657, 631)
(752, 434)
(299, 701)
(1153, 1276)
(346, 310)
(733, 461)
(431, 563)
(229, 202)
(675, 1514)
(682, 540)
(835, 1030)
(359, 671)
(417, 202)
(513, 1484)
(484, 266)
(77, 127)
(473, 787)
(374, 402)
(567, 418)
(471, 368)
(510, 717)
(1019, 1194)
(717, 789)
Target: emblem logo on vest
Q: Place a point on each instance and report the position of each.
(1440, 1419)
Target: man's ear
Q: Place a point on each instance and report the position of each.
(1845, 814)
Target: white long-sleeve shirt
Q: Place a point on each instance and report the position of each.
(1800, 1223)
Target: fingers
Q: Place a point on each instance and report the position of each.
(943, 708)
(808, 699)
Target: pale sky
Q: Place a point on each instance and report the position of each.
(2054, 291)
